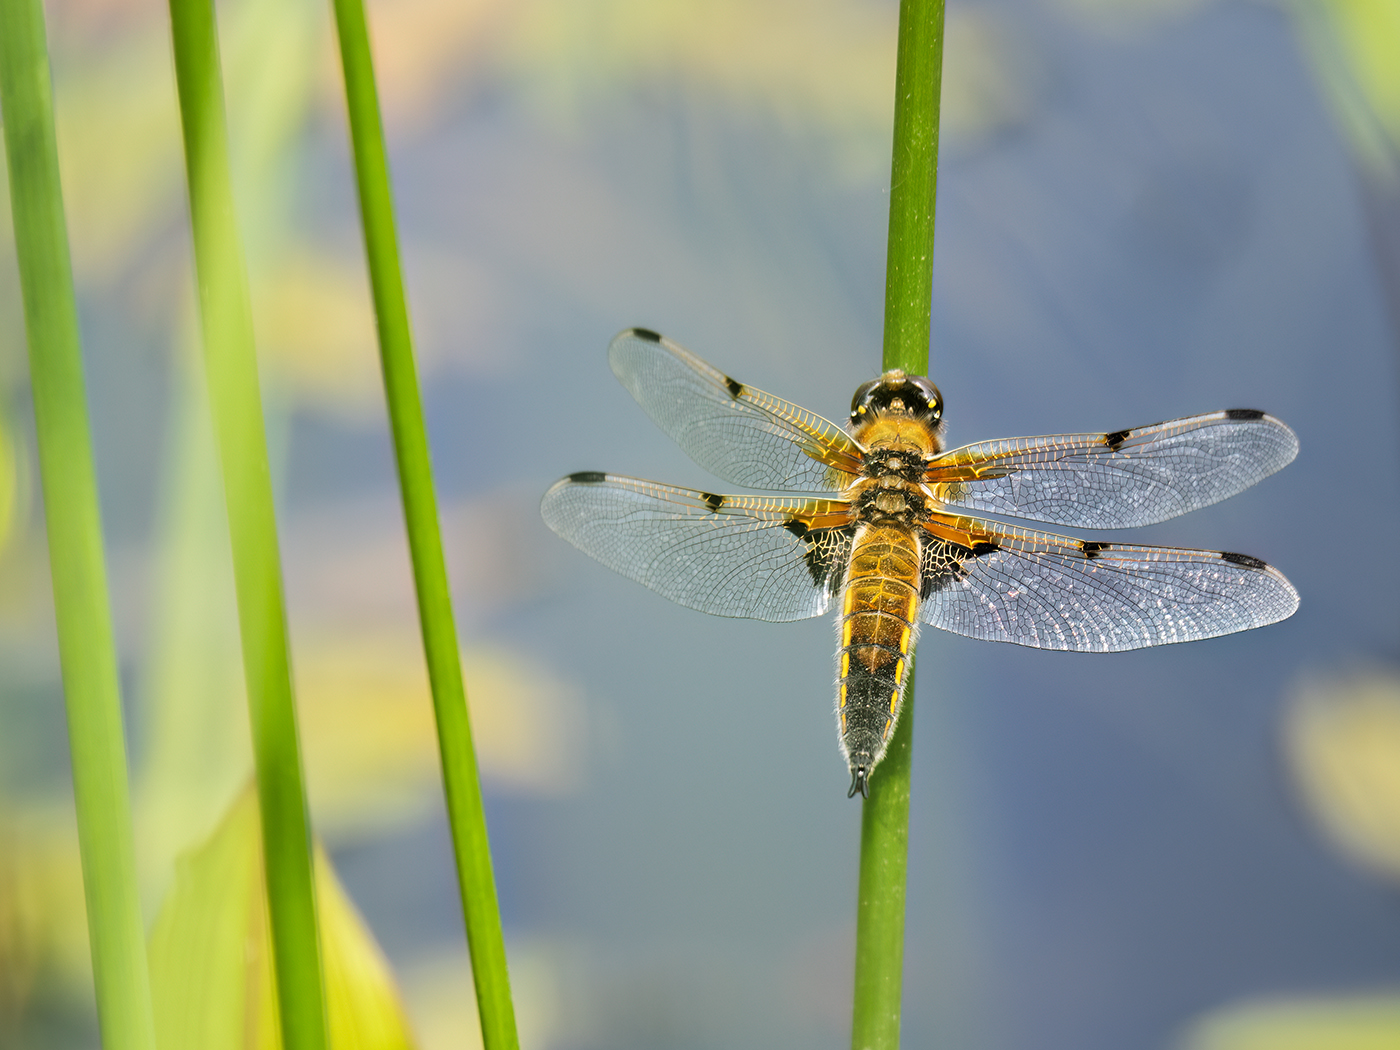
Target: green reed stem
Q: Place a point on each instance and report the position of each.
(87, 650)
(884, 830)
(461, 781)
(913, 186)
(232, 371)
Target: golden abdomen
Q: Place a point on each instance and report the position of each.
(879, 612)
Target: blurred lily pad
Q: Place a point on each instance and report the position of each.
(1343, 740)
(1360, 1022)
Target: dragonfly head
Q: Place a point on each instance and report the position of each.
(896, 393)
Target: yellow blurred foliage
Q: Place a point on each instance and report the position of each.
(211, 954)
(370, 747)
(826, 65)
(824, 62)
(1343, 742)
(1354, 46)
(118, 149)
(316, 328)
(43, 917)
(370, 738)
(1358, 1022)
(446, 1019)
(18, 938)
(11, 481)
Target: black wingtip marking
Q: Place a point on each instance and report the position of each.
(1243, 413)
(647, 334)
(588, 477)
(1115, 440)
(1243, 559)
(984, 547)
(1091, 548)
(734, 386)
(860, 779)
(712, 501)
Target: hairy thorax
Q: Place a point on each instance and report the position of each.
(889, 491)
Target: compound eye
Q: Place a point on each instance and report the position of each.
(929, 396)
(861, 403)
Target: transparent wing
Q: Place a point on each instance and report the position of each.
(1120, 480)
(750, 556)
(734, 431)
(1055, 592)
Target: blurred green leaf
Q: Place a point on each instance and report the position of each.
(208, 941)
(211, 954)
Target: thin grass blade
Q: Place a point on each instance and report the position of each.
(460, 778)
(232, 374)
(87, 650)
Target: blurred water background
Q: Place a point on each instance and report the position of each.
(1147, 209)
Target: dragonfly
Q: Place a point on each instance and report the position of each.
(873, 525)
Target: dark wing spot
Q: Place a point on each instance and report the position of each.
(1091, 549)
(712, 501)
(942, 566)
(1243, 413)
(647, 334)
(826, 551)
(588, 477)
(1115, 440)
(983, 548)
(1243, 559)
(735, 387)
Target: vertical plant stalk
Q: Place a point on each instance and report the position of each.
(459, 771)
(87, 650)
(231, 366)
(884, 828)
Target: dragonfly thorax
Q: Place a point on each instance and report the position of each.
(905, 462)
(888, 500)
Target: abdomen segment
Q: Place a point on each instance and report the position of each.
(879, 611)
